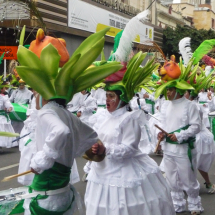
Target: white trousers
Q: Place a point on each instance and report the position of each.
(180, 177)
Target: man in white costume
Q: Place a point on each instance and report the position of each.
(179, 155)
(22, 95)
(100, 96)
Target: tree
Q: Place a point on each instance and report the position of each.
(171, 38)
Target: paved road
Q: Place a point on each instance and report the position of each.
(9, 159)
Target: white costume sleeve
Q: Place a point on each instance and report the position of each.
(130, 139)
(89, 106)
(13, 96)
(195, 124)
(7, 103)
(56, 135)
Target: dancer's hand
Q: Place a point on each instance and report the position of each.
(161, 136)
(98, 148)
(35, 172)
(78, 114)
(209, 95)
(146, 96)
(9, 109)
(173, 137)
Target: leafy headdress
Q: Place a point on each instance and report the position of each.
(181, 75)
(44, 75)
(134, 77)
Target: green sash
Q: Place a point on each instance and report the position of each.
(19, 113)
(103, 106)
(212, 123)
(190, 143)
(202, 102)
(52, 179)
(151, 103)
(3, 113)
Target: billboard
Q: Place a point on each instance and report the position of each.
(87, 17)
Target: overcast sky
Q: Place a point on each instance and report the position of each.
(176, 1)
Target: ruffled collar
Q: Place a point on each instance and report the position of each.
(118, 112)
(51, 104)
(176, 101)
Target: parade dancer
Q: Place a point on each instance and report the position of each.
(110, 189)
(5, 122)
(205, 147)
(182, 121)
(60, 136)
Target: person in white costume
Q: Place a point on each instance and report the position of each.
(21, 95)
(205, 148)
(60, 135)
(203, 101)
(75, 103)
(100, 96)
(150, 101)
(110, 189)
(179, 166)
(87, 107)
(5, 123)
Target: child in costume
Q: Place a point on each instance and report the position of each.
(182, 121)
(60, 136)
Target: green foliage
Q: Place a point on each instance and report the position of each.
(171, 38)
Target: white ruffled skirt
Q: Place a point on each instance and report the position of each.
(205, 147)
(150, 196)
(7, 127)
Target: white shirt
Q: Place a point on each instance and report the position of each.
(178, 114)
(21, 96)
(60, 137)
(75, 103)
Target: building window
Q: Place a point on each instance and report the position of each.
(170, 9)
(208, 2)
(125, 1)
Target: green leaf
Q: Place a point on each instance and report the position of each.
(98, 73)
(50, 59)
(38, 80)
(63, 82)
(90, 41)
(8, 134)
(183, 85)
(87, 59)
(163, 87)
(27, 58)
(22, 36)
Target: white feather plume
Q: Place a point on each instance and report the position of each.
(185, 49)
(128, 36)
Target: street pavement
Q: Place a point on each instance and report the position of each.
(9, 160)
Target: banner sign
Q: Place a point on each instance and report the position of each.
(87, 17)
(10, 52)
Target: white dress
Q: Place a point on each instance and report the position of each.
(100, 96)
(5, 123)
(126, 182)
(205, 146)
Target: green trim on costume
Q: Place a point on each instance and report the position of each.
(55, 178)
(3, 113)
(52, 179)
(212, 124)
(151, 103)
(29, 140)
(202, 102)
(190, 142)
